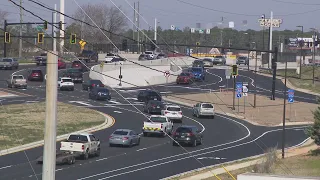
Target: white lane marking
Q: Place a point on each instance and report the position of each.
(136, 99)
(5, 167)
(31, 101)
(149, 147)
(167, 92)
(167, 162)
(115, 102)
(118, 112)
(80, 102)
(215, 158)
(106, 105)
(101, 159)
(141, 149)
(131, 90)
(19, 71)
(203, 128)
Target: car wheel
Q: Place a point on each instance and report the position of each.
(130, 144)
(197, 115)
(212, 117)
(86, 155)
(98, 152)
(194, 144)
(71, 160)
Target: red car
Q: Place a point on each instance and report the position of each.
(185, 78)
(61, 64)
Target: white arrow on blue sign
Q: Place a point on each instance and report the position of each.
(290, 100)
(238, 95)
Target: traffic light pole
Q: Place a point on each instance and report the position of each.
(274, 67)
(234, 92)
(4, 42)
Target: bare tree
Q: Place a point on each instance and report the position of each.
(108, 18)
(3, 16)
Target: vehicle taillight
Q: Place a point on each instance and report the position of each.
(125, 138)
(92, 85)
(166, 112)
(180, 112)
(174, 134)
(189, 134)
(82, 147)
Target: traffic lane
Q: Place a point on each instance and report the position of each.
(171, 166)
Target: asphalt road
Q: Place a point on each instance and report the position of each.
(155, 157)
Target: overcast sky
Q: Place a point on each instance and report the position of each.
(175, 12)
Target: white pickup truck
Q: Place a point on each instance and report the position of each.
(83, 144)
(17, 81)
(157, 125)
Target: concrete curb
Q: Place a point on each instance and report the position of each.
(109, 121)
(254, 160)
(239, 117)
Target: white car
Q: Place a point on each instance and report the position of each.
(150, 54)
(109, 57)
(65, 83)
(203, 109)
(173, 112)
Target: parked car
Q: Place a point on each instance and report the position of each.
(36, 75)
(208, 62)
(17, 81)
(65, 83)
(9, 63)
(88, 85)
(242, 60)
(173, 112)
(147, 95)
(198, 63)
(198, 73)
(187, 135)
(185, 78)
(203, 109)
(62, 64)
(41, 60)
(219, 60)
(125, 137)
(83, 144)
(100, 93)
(153, 107)
(157, 124)
(75, 74)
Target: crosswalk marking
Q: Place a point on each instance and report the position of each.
(80, 102)
(115, 102)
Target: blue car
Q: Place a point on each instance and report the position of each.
(198, 73)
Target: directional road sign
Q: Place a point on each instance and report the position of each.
(290, 96)
(239, 89)
(239, 95)
(290, 100)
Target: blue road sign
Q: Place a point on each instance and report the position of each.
(290, 100)
(239, 85)
(239, 95)
(290, 93)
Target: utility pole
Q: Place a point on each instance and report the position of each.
(300, 71)
(20, 40)
(255, 82)
(62, 4)
(270, 38)
(54, 20)
(155, 29)
(263, 27)
(49, 150)
(135, 22)
(274, 73)
(138, 26)
(313, 55)
(4, 42)
(284, 109)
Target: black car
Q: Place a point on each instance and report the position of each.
(147, 95)
(75, 74)
(190, 135)
(91, 84)
(99, 93)
(198, 63)
(117, 59)
(160, 56)
(35, 75)
(153, 106)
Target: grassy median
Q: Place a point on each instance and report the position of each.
(24, 123)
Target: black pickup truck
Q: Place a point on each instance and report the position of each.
(75, 74)
(88, 56)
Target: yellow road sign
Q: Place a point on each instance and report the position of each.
(198, 43)
(82, 43)
(101, 64)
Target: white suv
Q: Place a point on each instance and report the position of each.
(65, 83)
(203, 109)
(173, 112)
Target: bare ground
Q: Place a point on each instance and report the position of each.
(267, 112)
(24, 123)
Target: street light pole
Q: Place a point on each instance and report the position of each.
(300, 71)
(313, 54)
(284, 109)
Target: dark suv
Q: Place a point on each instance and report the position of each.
(153, 106)
(198, 63)
(187, 135)
(100, 93)
(147, 95)
(35, 75)
(91, 84)
(75, 74)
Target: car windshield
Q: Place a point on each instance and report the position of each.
(17, 77)
(242, 58)
(184, 74)
(157, 119)
(6, 60)
(207, 106)
(196, 69)
(183, 130)
(122, 133)
(36, 71)
(173, 109)
(153, 93)
(218, 57)
(78, 138)
(66, 80)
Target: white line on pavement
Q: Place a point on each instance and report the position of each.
(118, 112)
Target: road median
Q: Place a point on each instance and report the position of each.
(22, 125)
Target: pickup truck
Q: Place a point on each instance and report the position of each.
(88, 56)
(157, 125)
(82, 144)
(41, 60)
(9, 63)
(17, 81)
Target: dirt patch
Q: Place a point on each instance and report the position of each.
(24, 123)
(267, 112)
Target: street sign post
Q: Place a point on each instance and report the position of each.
(290, 99)
(245, 91)
(239, 93)
(228, 76)
(167, 75)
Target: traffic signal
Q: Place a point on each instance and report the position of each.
(317, 42)
(60, 25)
(73, 39)
(234, 70)
(45, 25)
(6, 37)
(124, 44)
(40, 38)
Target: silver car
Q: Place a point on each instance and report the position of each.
(203, 109)
(125, 137)
(208, 62)
(219, 60)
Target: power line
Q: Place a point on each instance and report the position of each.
(297, 3)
